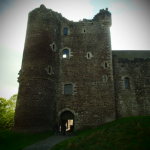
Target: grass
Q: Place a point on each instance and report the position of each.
(132, 133)
(10, 140)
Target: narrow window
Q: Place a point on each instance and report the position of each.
(65, 31)
(53, 47)
(49, 70)
(105, 78)
(89, 55)
(65, 53)
(127, 83)
(68, 89)
(106, 65)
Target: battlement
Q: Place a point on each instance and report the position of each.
(104, 16)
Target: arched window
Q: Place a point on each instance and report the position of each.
(68, 89)
(65, 31)
(65, 53)
(126, 83)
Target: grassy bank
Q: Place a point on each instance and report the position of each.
(131, 133)
(16, 141)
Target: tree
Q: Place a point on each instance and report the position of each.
(7, 109)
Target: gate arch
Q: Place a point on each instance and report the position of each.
(66, 121)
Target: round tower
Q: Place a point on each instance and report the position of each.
(35, 109)
(104, 17)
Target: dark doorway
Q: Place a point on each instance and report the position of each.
(66, 122)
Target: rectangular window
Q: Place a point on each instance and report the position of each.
(68, 89)
(127, 83)
(65, 31)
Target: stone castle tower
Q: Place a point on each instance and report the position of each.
(66, 75)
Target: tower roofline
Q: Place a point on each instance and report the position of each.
(99, 16)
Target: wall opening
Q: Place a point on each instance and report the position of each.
(53, 47)
(65, 31)
(68, 89)
(65, 53)
(106, 65)
(89, 55)
(127, 83)
(66, 125)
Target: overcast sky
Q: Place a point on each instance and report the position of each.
(129, 31)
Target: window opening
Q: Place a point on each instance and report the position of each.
(65, 53)
(127, 83)
(105, 78)
(53, 47)
(65, 31)
(68, 89)
(106, 65)
(49, 70)
(89, 55)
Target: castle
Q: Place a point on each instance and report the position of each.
(70, 76)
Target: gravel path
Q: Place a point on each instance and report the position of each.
(47, 143)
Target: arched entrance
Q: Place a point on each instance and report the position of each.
(66, 122)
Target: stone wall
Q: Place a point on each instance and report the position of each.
(134, 100)
(44, 72)
(92, 100)
(38, 77)
(98, 87)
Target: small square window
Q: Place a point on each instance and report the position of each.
(68, 89)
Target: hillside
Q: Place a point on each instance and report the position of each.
(132, 133)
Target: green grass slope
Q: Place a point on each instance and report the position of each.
(132, 133)
(17, 141)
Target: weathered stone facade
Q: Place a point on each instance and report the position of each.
(67, 72)
(135, 99)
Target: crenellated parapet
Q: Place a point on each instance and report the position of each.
(104, 17)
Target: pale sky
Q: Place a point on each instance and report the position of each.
(129, 31)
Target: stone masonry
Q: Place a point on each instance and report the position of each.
(69, 71)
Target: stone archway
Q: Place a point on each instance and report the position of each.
(66, 122)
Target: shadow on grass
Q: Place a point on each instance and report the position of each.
(131, 133)
(10, 140)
